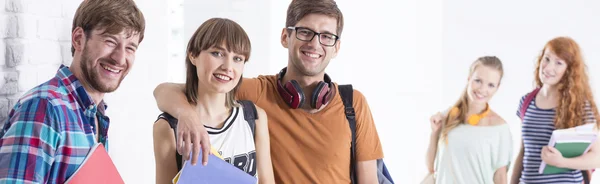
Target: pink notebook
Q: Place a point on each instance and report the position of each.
(96, 168)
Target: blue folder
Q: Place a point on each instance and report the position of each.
(216, 171)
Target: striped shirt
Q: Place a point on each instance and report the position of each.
(49, 131)
(537, 128)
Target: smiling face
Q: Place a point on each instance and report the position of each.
(104, 39)
(216, 55)
(107, 58)
(310, 58)
(483, 84)
(552, 68)
(218, 70)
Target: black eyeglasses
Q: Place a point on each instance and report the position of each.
(305, 34)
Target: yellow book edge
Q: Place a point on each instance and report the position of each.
(212, 150)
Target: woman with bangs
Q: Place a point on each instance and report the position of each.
(562, 99)
(215, 60)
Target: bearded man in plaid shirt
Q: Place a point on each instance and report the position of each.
(52, 127)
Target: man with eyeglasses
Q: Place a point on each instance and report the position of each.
(309, 134)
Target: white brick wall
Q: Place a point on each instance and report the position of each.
(2, 50)
(34, 41)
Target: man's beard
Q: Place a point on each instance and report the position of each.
(92, 76)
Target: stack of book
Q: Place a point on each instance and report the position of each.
(572, 142)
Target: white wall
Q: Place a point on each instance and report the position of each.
(132, 109)
(428, 95)
(252, 15)
(516, 32)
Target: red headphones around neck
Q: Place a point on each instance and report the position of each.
(292, 93)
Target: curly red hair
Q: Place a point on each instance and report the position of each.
(574, 86)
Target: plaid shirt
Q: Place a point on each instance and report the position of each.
(49, 132)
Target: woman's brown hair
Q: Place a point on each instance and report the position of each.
(214, 32)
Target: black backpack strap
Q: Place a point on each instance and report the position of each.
(347, 92)
(173, 123)
(250, 114)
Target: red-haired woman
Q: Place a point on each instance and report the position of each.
(562, 99)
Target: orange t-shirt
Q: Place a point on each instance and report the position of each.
(312, 148)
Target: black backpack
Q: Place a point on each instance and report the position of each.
(383, 176)
(250, 115)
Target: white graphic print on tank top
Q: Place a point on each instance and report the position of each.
(235, 141)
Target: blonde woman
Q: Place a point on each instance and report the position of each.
(470, 143)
